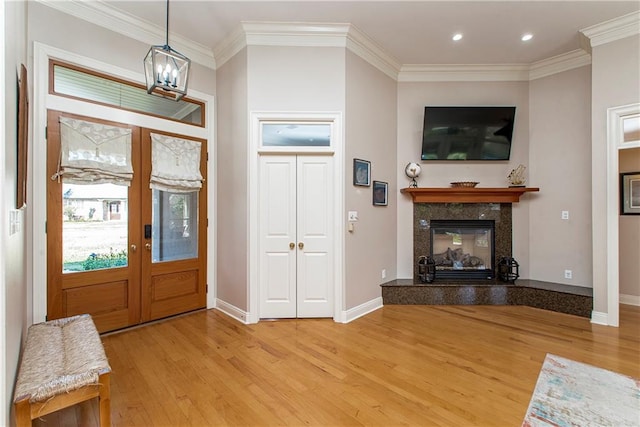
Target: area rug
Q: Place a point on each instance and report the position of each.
(570, 393)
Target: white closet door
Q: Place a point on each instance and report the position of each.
(314, 233)
(296, 267)
(277, 270)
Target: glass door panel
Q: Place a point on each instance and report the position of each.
(174, 261)
(94, 227)
(93, 260)
(174, 226)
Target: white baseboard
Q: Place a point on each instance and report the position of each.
(232, 311)
(361, 310)
(599, 318)
(630, 299)
(345, 317)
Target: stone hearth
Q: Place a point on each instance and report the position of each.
(567, 299)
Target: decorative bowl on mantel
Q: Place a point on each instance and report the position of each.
(467, 184)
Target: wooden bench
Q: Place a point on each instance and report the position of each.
(63, 363)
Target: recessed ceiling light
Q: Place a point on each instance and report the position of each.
(457, 37)
(527, 37)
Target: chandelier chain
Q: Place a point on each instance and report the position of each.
(167, 26)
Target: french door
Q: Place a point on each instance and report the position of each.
(296, 236)
(125, 255)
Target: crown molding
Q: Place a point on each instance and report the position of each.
(280, 34)
(344, 35)
(230, 46)
(612, 30)
(557, 64)
(364, 46)
(464, 73)
(98, 12)
(295, 34)
(306, 35)
(494, 73)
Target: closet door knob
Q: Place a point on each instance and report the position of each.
(300, 245)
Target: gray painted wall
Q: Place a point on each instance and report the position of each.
(615, 68)
(233, 186)
(370, 134)
(15, 313)
(560, 164)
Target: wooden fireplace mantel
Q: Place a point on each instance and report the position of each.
(467, 194)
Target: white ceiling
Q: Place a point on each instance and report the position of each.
(412, 32)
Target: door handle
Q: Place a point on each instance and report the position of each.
(292, 245)
(134, 248)
(148, 246)
(300, 245)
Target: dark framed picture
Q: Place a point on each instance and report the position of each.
(380, 193)
(23, 125)
(630, 193)
(361, 172)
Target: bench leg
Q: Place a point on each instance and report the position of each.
(105, 400)
(22, 410)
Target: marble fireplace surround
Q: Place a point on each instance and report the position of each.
(485, 204)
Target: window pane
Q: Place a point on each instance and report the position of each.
(68, 81)
(94, 227)
(175, 226)
(296, 135)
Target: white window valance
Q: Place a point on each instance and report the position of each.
(175, 164)
(94, 153)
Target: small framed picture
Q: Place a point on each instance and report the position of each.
(380, 193)
(630, 193)
(361, 172)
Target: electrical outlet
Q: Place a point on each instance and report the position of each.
(384, 273)
(352, 216)
(565, 214)
(568, 274)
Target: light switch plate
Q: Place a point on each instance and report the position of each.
(353, 216)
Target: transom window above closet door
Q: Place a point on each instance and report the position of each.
(295, 134)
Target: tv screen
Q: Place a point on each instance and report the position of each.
(467, 133)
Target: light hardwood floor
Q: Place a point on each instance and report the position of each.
(400, 365)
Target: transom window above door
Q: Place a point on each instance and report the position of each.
(75, 82)
(296, 135)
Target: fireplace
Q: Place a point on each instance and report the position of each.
(463, 249)
(488, 222)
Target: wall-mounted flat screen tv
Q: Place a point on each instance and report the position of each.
(467, 133)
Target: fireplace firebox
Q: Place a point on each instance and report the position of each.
(463, 249)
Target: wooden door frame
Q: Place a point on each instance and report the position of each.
(336, 150)
(42, 101)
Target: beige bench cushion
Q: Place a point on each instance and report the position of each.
(60, 356)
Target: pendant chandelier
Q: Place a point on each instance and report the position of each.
(166, 69)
